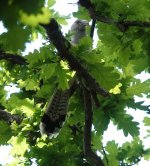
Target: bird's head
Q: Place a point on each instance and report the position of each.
(79, 25)
(79, 31)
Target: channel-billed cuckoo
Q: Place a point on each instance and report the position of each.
(56, 110)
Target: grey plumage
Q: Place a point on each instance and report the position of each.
(78, 30)
(57, 108)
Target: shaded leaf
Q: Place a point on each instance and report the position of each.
(104, 75)
(138, 88)
(11, 42)
(101, 121)
(126, 123)
(47, 71)
(5, 132)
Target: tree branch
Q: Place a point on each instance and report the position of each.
(148, 109)
(15, 59)
(95, 98)
(87, 130)
(94, 95)
(9, 118)
(122, 25)
(92, 28)
(63, 46)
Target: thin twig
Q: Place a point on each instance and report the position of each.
(92, 28)
(72, 3)
(107, 161)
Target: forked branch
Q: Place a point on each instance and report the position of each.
(63, 46)
(122, 25)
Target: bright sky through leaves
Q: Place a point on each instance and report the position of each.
(118, 136)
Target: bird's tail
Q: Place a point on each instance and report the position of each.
(55, 113)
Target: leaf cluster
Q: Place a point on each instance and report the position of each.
(114, 63)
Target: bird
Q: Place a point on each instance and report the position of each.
(78, 29)
(56, 111)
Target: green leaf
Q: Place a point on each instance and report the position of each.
(8, 14)
(147, 154)
(131, 151)
(140, 64)
(11, 42)
(3, 95)
(85, 45)
(137, 105)
(61, 19)
(82, 13)
(115, 62)
(29, 84)
(91, 57)
(45, 91)
(51, 3)
(47, 71)
(40, 57)
(25, 106)
(97, 141)
(101, 121)
(105, 76)
(42, 17)
(5, 132)
(124, 122)
(137, 46)
(62, 78)
(33, 58)
(112, 149)
(138, 88)
(19, 146)
(146, 121)
(28, 6)
(129, 70)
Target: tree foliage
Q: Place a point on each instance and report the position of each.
(122, 52)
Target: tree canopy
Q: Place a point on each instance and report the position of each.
(107, 87)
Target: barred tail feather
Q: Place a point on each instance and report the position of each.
(55, 113)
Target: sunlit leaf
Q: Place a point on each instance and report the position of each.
(112, 150)
(20, 145)
(34, 20)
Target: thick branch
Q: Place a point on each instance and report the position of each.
(62, 45)
(122, 25)
(15, 59)
(87, 130)
(135, 23)
(9, 118)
